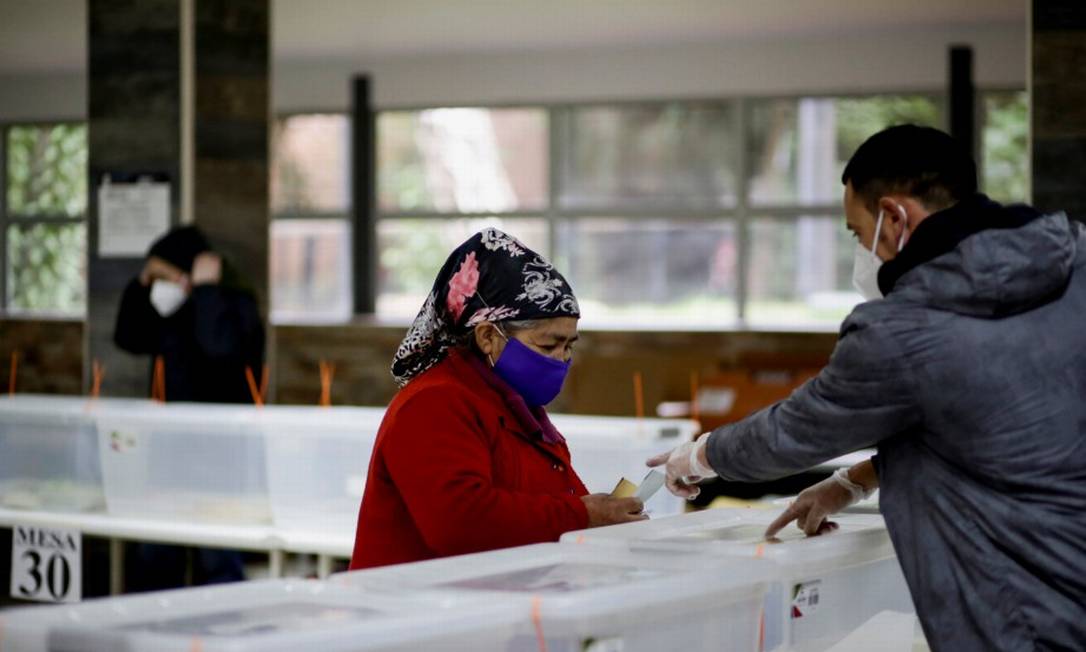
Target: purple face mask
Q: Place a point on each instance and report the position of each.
(536, 377)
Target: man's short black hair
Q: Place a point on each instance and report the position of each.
(919, 161)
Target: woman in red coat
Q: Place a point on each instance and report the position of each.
(466, 459)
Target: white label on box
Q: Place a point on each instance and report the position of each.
(805, 599)
(46, 564)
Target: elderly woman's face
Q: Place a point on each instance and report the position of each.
(553, 338)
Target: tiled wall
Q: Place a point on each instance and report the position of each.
(600, 382)
(50, 355)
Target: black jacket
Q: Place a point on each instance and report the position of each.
(206, 345)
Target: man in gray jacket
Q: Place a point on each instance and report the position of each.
(970, 377)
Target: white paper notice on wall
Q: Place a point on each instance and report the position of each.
(131, 216)
(46, 564)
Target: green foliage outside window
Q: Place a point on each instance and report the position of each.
(46, 178)
(47, 268)
(47, 170)
(1005, 147)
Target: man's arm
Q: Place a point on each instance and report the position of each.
(862, 397)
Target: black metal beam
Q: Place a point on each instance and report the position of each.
(962, 97)
(363, 193)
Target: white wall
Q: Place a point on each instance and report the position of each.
(45, 96)
(853, 63)
(857, 63)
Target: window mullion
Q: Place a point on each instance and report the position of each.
(3, 218)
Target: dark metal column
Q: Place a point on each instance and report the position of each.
(364, 181)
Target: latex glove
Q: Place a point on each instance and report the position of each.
(815, 503)
(686, 466)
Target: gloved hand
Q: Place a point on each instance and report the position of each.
(686, 465)
(815, 503)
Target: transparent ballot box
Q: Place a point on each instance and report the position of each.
(266, 616)
(185, 461)
(604, 449)
(575, 597)
(49, 454)
(824, 587)
(317, 461)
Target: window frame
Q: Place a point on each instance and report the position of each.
(741, 214)
(7, 220)
(347, 215)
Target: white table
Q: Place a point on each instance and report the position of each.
(276, 542)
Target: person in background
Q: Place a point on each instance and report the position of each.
(967, 367)
(192, 308)
(466, 459)
(189, 307)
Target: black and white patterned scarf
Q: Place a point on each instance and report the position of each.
(491, 277)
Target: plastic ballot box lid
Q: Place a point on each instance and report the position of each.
(266, 616)
(676, 431)
(199, 463)
(824, 587)
(576, 594)
(860, 538)
(49, 452)
(317, 461)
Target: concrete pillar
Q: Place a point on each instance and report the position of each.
(133, 115)
(1058, 105)
(140, 56)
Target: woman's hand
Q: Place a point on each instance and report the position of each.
(608, 510)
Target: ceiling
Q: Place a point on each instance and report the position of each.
(45, 35)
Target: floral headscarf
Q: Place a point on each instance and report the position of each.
(491, 277)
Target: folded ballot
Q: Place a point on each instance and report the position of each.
(648, 487)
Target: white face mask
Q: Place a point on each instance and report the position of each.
(167, 297)
(866, 263)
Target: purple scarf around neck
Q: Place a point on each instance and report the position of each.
(534, 421)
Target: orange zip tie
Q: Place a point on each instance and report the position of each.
(258, 397)
(761, 629)
(328, 372)
(537, 621)
(196, 645)
(639, 395)
(695, 409)
(263, 382)
(97, 372)
(158, 380)
(13, 373)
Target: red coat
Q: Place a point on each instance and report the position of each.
(455, 470)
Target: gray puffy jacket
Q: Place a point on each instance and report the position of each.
(970, 376)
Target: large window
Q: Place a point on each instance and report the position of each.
(680, 214)
(42, 207)
(311, 230)
(1004, 146)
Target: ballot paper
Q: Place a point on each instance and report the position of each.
(647, 489)
(650, 485)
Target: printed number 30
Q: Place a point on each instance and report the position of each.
(58, 575)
